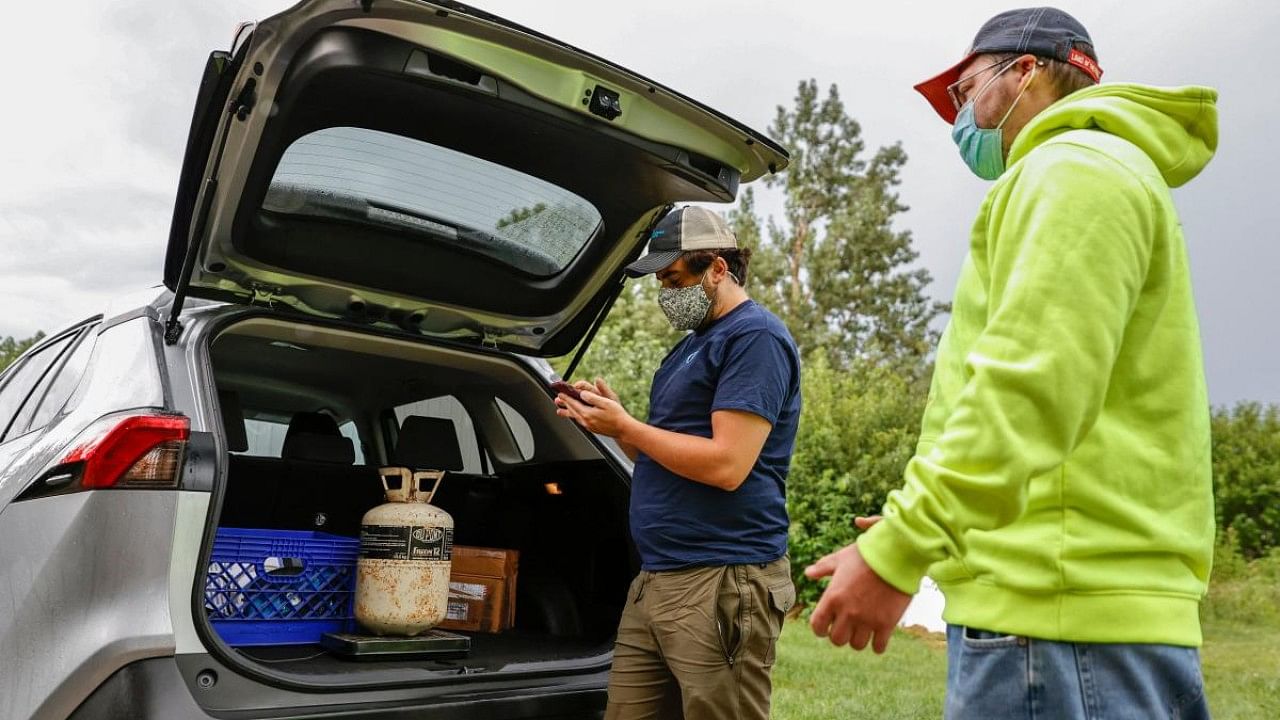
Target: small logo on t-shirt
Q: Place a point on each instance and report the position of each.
(689, 358)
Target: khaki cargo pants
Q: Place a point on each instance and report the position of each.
(700, 643)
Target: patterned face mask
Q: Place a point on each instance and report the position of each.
(687, 307)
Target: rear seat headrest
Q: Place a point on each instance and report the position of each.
(233, 421)
(315, 436)
(428, 443)
(313, 423)
(318, 448)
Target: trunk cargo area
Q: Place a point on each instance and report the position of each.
(310, 416)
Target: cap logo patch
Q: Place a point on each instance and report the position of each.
(1085, 63)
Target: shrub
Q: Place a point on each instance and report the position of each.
(1243, 591)
(858, 429)
(1246, 475)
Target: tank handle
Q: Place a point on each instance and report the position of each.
(398, 494)
(418, 477)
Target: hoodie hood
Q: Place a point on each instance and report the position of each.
(1176, 127)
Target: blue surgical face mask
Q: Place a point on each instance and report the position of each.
(982, 148)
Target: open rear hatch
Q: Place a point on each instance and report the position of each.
(433, 172)
(431, 168)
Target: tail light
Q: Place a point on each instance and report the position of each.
(131, 451)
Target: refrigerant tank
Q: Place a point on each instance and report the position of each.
(406, 550)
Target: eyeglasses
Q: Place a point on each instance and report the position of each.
(958, 96)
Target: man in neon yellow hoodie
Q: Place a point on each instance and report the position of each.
(1060, 494)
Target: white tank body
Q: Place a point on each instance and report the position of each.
(406, 549)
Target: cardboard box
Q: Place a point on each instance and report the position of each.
(482, 589)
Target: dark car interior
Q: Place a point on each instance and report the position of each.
(311, 414)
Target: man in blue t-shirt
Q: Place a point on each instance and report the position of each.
(708, 495)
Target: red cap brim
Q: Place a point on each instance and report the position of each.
(935, 90)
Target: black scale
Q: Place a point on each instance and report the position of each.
(431, 644)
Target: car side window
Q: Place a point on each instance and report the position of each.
(19, 384)
(519, 428)
(58, 385)
(352, 433)
(266, 437)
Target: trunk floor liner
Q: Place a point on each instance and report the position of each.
(511, 650)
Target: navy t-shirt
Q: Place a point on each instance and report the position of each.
(745, 360)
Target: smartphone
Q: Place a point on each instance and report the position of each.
(561, 386)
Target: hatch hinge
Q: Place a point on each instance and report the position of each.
(264, 295)
(489, 338)
(243, 101)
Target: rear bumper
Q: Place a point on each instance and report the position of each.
(193, 688)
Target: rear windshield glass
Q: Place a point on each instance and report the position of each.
(445, 196)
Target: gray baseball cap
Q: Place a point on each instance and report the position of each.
(1041, 31)
(682, 230)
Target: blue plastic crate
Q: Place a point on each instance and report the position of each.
(280, 587)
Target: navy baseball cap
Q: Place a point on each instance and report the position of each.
(1043, 31)
(679, 231)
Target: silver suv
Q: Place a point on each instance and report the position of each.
(388, 213)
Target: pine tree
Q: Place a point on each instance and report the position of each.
(835, 269)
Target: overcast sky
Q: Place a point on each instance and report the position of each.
(98, 95)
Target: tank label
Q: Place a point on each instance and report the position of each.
(403, 542)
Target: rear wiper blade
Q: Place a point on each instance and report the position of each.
(302, 200)
(431, 224)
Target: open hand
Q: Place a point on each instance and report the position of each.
(857, 607)
(599, 387)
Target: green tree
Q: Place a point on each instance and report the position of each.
(11, 348)
(834, 268)
(858, 428)
(766, 279)
(1246, 475)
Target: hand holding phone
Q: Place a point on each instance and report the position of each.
(561, 386)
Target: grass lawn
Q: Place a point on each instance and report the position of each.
(814, 680)
(1241, 670)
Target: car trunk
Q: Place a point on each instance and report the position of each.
(533, 483)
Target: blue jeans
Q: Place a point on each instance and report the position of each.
(992, 677)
